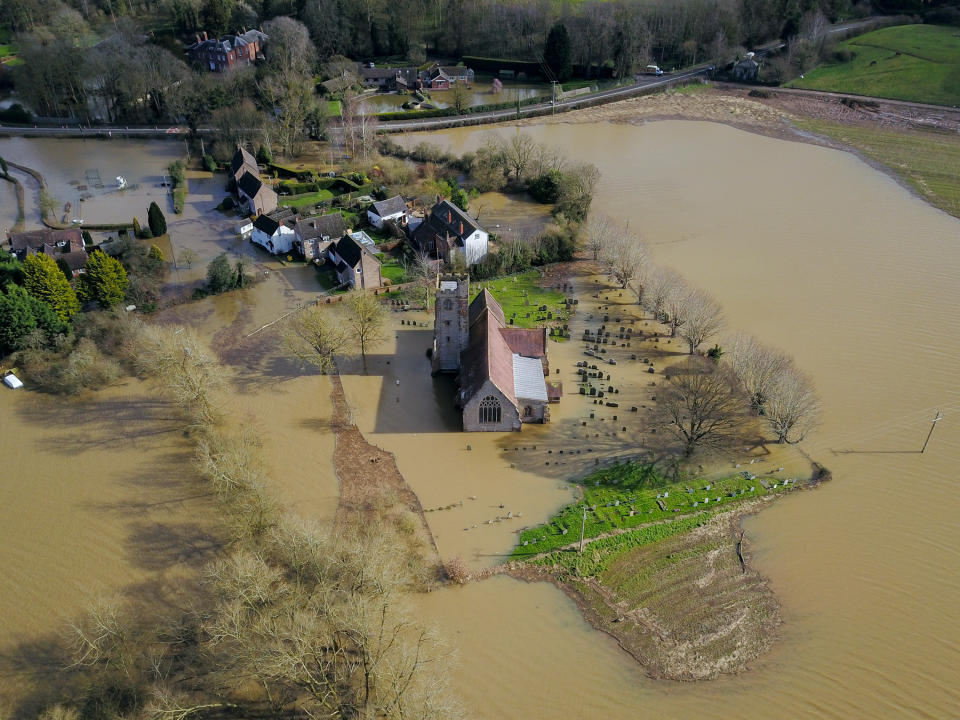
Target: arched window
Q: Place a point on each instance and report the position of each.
(448, 304)
(489, 410)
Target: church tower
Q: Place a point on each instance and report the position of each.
(451, 329)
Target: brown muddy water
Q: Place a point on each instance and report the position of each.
(808, 248)
(814, 251)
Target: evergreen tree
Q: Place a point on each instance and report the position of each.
(45, 281)
(11, 269)
(20, 315)
(155, 253)
(220, 276)
(105, 281)
(557, 53)
(3, 168)
(158, 223)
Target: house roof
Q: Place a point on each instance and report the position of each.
(249, 184)
(348, 249)
(321, 226)
(242, 158)
(390, 206)
(266, 224)
(452, 219)
(74, 260)
(36, 239)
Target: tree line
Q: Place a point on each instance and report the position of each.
(718, 394)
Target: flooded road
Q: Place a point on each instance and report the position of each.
(813, 251)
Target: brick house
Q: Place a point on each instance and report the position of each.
(443, 77)
(226, 53)
(64, 246)
(449, 231)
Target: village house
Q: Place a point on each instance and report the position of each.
(227, 52)
(354, 263)
(394, 208)
(443, 77)
(274, 231)
(64, 246)
(315, 234)
(254, 196)
(389, 79)
(501, 371)
(449, 231)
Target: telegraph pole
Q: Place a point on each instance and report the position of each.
(933, 424)
(583, 525)
(553, 102)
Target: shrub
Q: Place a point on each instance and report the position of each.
(209, 163)
(16, 114)
(843, 55)
(264, 155)
(155, 253)
(158, 223)
(220, 276)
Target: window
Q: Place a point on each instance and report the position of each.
(448, 304)
(489, 410)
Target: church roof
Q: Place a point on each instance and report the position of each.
(510, 358)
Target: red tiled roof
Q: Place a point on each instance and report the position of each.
(530, 342)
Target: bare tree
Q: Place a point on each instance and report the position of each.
(703, 318)
(422, 272)
(367, 318)
(675, 305)
(188, 256)
(661, 282)
(624, 255)
(702, 405)
(756, 366)
(518, 152)
(598, 232)
(313, 336)
(792, 407)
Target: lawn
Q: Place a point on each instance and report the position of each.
(927, 161)
(633, 495)
(308, 199)
(523, 300)
(393, 271)
(919, 63)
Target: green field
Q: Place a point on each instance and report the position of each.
(630, 496)
(392, 271)
(520, 296)
(309, 199)
(919, 63)
(927, 161)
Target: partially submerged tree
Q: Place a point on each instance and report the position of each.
(660, 284)
(367, 318)
(755, 365)
(624, 255)
(792, 407)
(315, 337)
(703, 318)
(702, 405)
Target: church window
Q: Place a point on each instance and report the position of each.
(448, 304)
(489, 410)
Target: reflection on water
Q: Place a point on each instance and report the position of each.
(481, 93)
(815, 252)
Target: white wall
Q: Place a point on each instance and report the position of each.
(477, 246)
(282, 239)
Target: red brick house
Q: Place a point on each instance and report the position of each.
(220, 55)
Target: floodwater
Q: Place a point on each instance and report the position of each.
(480, 94)
(8, 207)
(84, 174)
(815, 252)
(808, 248)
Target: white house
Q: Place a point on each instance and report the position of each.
(274, 232)
(449, 231)
(394, 208)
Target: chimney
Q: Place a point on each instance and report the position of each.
(449, 216)
(198, 38)
(204, 34)
(461, 227)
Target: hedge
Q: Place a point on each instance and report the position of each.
(452, 112)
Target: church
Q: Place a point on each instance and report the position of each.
(501, 370)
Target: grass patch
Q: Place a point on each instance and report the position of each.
(919, 63)
(334, 108)
(328, 280)
(927, 161)
(393, 271)
(626, 496)
(308, 199)
(520, 296)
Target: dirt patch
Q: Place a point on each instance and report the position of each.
(372, 487)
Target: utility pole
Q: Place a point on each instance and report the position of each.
(553, 102)
(583, 526)
(932, 426)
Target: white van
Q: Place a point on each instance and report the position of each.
(653, 70)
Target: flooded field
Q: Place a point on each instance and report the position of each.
(480, 94)
(807, 248)
(84, 174)
(815, 252)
